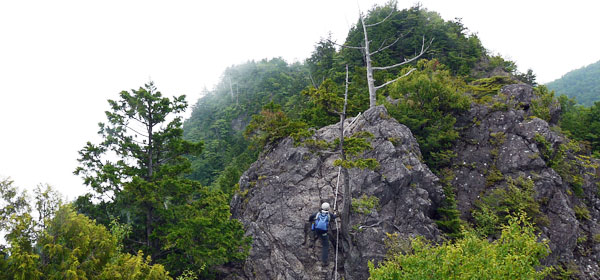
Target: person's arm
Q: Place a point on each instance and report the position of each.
(311, 218)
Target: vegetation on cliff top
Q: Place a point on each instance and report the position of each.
(161, 188)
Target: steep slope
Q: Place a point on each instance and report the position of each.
(583, 84)
(503, 146)
(288, 183)
(219, 118)
(499, 146)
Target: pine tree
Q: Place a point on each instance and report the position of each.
(138, 169)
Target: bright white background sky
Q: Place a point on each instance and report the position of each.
(61, 60)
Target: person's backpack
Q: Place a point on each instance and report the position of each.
(321, 221)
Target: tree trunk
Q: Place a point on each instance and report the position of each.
(230, 88)
(347, 201)
(150, 123)
(370, 79)
(149, 227)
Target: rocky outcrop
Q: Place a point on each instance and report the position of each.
(289, 182)
(498, 142)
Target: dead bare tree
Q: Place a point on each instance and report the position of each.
(347, 192)
(368, 54)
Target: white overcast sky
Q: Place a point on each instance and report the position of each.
(61, 60)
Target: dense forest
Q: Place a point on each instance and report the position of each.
(219, 118)
(160, 187)
(582, 84)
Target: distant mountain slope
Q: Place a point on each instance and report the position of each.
(582, 84)
(220, 116)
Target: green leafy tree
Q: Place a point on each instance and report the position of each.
(12, 203)
(272, 124)
(515, 255)
(73, 247)
(139, 166)
(134, 267)
(528, 78)
(541, 106)
(47, 202)
(428, 102)
(452, 45)
(581, 123)
(62, 245)
(198, 232)
(318, 112)
(321, 62)
(23, 263)
(571, 117)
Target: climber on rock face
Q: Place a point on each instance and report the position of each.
(320, 226)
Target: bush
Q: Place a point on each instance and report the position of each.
(365, 204)
(581, 212)
(271, 125)
(516, 255)
(429, 100)
(495, 209)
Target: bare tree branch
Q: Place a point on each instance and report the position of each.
(311, 79)
(344, 46)
(423, 50)
(374, 24)
(381, 48)
(387, 83)
(370, 226)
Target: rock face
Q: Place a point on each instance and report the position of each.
(498, 144)
(289, 182)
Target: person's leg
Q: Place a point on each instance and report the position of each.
(325, 250)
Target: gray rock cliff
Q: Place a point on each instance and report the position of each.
(497, 143)
(289, 182)
(507, 141)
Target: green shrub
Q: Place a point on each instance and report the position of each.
(494, 175)
(596, 238)
(494, 209)
(272, 124)
(577, 185)
(484, 89)
(448, 216)
(541, 106)
(565, 271)
(516, 255)
(582, 213)
(365, 204)
(497, 138)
